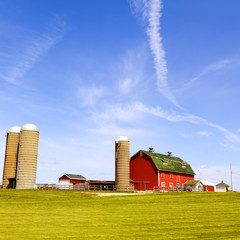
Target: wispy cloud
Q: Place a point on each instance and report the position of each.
(229, 146)
(207, 70)
(174, 116)
(152, 12)
(131, 70)
(131, 112)
(88, 96)
(200, 133)
(117, 112)
(38, 47)
(204, 133)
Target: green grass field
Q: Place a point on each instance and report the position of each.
(33, 214)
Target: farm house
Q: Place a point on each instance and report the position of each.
(149, 169)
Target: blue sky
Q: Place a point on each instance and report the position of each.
(164, 73)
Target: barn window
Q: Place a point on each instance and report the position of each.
(165, 163)
(163, 184)
(170, 184)
(178, 184)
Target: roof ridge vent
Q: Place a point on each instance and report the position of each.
(151, 150)
(169, 154)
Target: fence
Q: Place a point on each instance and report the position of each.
(174, 189)
(78, 187)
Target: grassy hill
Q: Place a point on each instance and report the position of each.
(33, 214)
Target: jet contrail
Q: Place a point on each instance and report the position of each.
(155, 39)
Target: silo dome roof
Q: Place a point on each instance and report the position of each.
(121, 138)
(29, 127)
(14, 129)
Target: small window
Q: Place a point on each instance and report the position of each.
(165, 163)
(178, 184)
(170, 184)
(163, 184)
(183, 166)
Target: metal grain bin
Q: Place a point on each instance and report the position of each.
(11, 156)
(27, 157)
(122, 163)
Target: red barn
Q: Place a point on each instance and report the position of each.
(70, 179)
(149, 169)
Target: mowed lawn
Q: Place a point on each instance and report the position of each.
(36, 214)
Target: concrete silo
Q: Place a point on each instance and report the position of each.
(11, 156)
(122, 163)
(27, 157)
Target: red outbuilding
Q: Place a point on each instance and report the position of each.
(149, 169)
(208, 186)
(70, 179)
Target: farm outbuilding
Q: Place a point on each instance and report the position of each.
(70, 179)
(222, 187)
(149, 169)
(208, 186)
(194, 185)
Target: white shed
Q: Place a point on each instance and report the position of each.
(222, 187)
(194, 185)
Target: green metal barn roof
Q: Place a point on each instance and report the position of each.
(74, 176)
(192, 182)
(222, 184)
(169, 163)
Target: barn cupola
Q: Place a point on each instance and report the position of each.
(169, 154)
(151, 149)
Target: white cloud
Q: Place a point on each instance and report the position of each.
(88, 96)
(38, 47)
(204, 133)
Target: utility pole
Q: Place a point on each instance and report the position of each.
(231, 177)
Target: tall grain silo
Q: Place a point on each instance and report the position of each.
(27, 157)
(11, 156)
(122, 163)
